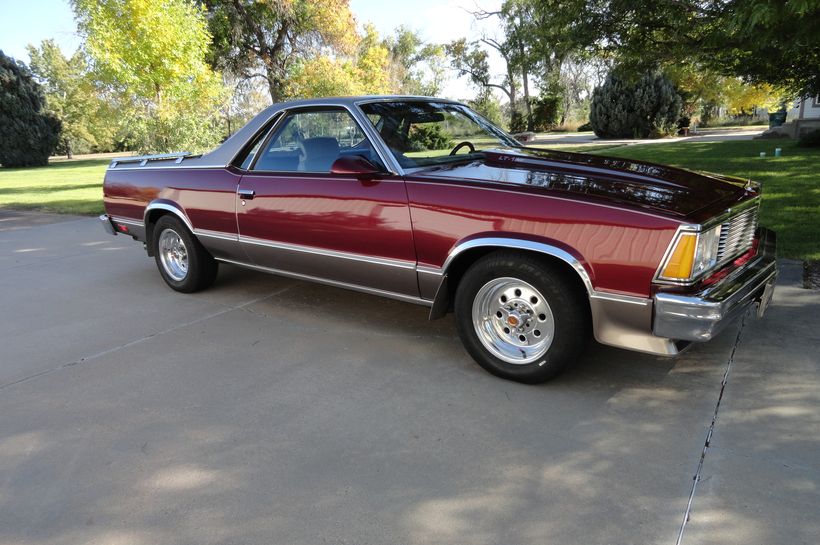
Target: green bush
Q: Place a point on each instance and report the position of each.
(29, 134)
(585, 127)
(810, 140)
(518, 122)
(428, 137)
(647, 108)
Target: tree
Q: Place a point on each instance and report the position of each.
(365, 73)
(538, 37)
(488, 106)
(268, 39)
(372, 63)
(698, 86)
(416, 68)
(151, 57)
(73, 98)
(29, 134)
(760, 41)
(248, 98)
(469, 59)
(702, 89)
(648, 107)
(515, 17)
(744, 99)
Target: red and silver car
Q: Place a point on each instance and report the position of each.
(425, 201)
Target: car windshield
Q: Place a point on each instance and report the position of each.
(432, 133)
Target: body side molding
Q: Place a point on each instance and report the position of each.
(335, 283)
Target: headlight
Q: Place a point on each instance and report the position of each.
(692, 254)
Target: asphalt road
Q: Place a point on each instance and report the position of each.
(270, 411)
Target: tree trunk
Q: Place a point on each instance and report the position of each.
(530, 121)
(276, 65)
(275, 88)
(525, 76)
(513, 95)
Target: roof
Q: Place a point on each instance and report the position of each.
(351, 100)
(231, 147)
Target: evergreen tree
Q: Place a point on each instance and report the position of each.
(29, 134)
(649, 107)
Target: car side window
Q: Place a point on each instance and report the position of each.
(311, 140)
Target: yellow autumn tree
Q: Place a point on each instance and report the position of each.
(365, 73)
(151, 56)
(742, 98)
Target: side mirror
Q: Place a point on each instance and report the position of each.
(355, 165)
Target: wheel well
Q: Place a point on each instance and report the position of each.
(465, 260)
(150, 220)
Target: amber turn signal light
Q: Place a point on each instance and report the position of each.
(680, 262)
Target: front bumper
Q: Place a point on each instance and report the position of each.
(107, 224)
(702, 315)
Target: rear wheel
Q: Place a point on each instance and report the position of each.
(183, 262)
(520, 317)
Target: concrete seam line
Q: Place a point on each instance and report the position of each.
(709, 433)
(142, 339)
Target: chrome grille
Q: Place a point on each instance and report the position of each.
(737, 234)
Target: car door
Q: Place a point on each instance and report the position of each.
(295, 216)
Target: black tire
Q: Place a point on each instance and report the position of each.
(565, 301)
(201, 267)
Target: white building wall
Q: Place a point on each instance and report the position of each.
(807, 108)
(811, 108)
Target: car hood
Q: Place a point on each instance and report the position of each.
(674, 191)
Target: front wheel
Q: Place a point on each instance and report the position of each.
(183, 262)
(520, 317)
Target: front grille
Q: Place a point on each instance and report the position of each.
(737, 234)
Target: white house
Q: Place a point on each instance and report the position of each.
(803, 117)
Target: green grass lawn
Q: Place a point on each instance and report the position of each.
(791, 191)
(65, 187)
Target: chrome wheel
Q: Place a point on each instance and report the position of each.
(513, 320)
(173, 255)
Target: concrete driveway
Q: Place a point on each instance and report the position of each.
(270, 411)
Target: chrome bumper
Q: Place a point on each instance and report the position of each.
(701, 316)
(107, 225)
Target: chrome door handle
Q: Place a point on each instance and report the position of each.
(246, 194)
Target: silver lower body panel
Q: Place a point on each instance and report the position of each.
(628, 324)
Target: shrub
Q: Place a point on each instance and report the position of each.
(647, 108)
(546, 108)
(428, 137)
(518, 123)
(810, 139)
(585, 127)
(29, 135)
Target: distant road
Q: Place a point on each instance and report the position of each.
(704, 135)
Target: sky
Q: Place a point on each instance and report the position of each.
(30, 22)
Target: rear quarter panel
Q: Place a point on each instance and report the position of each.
(207, 196)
